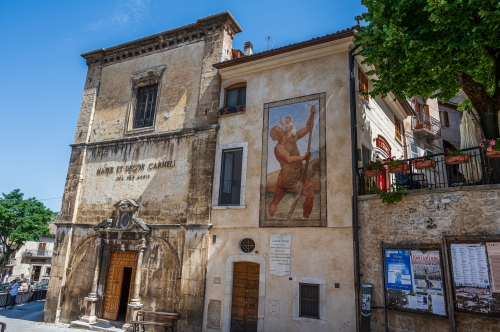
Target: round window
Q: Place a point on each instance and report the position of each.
(247, 245)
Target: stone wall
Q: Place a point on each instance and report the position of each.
(422, 217)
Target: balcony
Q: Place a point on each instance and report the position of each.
(479, 170)
(35, 253)
(425, 127)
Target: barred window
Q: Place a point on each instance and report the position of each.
(309, 300)
(146, 104)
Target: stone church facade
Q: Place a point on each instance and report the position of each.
(133, 230)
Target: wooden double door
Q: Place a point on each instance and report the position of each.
(120, 283)
(245, 303)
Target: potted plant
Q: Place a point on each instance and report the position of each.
(455, 157)
(397, 165)
(373, 168)
(424, 162)
(491, 146)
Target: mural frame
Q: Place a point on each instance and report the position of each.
(321, 221)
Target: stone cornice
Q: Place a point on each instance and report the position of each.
(154, 136)
(162, 41)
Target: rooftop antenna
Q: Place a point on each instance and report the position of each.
(268, 41)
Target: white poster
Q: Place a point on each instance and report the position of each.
(494, 258)
(438, 305)
(470, 268)
(279, 255)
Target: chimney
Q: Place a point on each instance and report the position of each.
(248, 50)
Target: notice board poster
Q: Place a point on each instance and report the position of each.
(476, 269)
(414, 281)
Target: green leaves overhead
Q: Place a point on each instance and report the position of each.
(419, 46)
(21, 220)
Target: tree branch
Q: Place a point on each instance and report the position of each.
(482, 102)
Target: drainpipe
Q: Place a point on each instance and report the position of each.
(354, 146)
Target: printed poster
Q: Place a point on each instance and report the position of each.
(426, 267)
(470, 268)
(398, 270)
(494, 260)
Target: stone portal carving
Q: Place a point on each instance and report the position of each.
(127, 208)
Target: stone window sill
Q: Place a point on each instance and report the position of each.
(229, 207)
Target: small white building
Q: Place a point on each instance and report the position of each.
(33, 260)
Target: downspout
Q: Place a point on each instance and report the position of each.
(354, 154)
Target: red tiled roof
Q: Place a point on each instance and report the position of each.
(291, 47)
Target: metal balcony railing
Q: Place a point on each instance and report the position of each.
(423, 121)
(477, 171)
(37, 253)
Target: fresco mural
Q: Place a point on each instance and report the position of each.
(292, 191)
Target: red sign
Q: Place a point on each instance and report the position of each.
(383, 145)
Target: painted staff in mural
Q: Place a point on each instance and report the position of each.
(293, 173)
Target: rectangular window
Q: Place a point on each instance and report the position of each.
(230, 178)
(445, 120)
(398, 126)
(429, 152)
(47, 271)
(414, 150)
(146, 104)
(309, 300)
(363, 84)
(236, 95)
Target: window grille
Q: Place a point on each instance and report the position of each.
(309, 300)
(247, 245)
(146, 106)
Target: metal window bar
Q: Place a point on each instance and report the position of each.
(146, 103)
(309, 300)
(479, 170)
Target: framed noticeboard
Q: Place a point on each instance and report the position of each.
(414, 280)
(475, 273)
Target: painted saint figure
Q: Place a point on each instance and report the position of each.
(291, 176)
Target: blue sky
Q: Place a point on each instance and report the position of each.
(42, 73)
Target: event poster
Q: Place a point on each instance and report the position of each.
(427, 270)
(398, 267)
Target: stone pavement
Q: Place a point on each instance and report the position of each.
(28, 317)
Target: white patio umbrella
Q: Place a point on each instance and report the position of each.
(472, 170)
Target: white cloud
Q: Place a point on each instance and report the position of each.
(127, 12)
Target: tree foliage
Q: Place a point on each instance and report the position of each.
(432, 48)
(21, 220)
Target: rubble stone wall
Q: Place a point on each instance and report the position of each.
(422, 217)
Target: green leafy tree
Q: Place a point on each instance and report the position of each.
(432, 48)
(21, 220)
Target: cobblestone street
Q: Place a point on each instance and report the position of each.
(28, 317)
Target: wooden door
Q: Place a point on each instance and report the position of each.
(245, 302)
(119, 260)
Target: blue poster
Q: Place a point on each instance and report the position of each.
(398, 270)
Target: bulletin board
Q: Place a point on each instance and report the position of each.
(414, 280)
(475, 274)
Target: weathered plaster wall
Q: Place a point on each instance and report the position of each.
(422, 217)
(323, 252)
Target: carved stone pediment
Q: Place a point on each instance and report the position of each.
(125, 221)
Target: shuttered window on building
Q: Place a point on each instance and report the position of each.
(146, 106)
(398, 127)
(363, 84)
(309, 300)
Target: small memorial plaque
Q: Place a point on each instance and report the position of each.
(279, 255)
